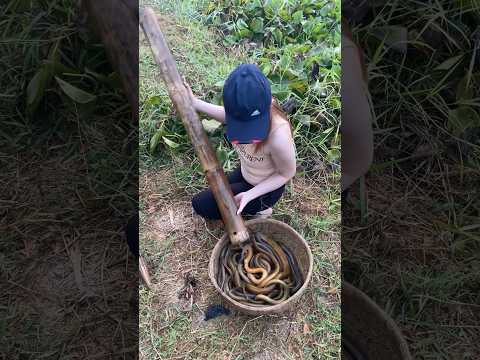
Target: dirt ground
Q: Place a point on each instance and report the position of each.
(67, 278)
(177, 245)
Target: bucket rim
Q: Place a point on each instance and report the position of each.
(348, 288)
(267, 309)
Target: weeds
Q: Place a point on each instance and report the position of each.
(303, 67)
(297, 46)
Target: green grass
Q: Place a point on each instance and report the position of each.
(315, 120)
(171, 175)
(413, 245)
(297, 46)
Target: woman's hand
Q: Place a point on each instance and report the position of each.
(190, 93)
(215, 111)
(242, 199)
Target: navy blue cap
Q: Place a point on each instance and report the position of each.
(247, 98)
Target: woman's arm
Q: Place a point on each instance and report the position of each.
(214, 111)
(283, 156)
(357, 134)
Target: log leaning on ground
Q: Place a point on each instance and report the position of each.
(216, 178)
(116, 23)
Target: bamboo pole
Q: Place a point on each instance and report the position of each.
(216, 178)
(116, 23)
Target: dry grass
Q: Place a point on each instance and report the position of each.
(408, 261)
(67, 275)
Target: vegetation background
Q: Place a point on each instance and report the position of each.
(297, 45)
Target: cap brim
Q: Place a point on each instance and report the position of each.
(247, 132)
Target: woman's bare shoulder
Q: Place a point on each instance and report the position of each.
(278, 121)
(279, 136)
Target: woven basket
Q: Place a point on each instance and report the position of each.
(283, 234)
(367, 330)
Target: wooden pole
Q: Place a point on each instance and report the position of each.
(116, 23)
(216, 178)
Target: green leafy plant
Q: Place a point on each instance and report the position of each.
(296, 44)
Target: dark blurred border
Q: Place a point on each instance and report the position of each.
(69, 179)
(410, 238)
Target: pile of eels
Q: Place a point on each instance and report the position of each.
(262, 272)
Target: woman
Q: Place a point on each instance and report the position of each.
(261, 135)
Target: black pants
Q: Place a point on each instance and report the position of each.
(205, 205)
(132, 233)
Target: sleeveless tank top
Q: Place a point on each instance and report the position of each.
(258, 166)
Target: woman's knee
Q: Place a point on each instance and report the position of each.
(196, 204)
(204, 204)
